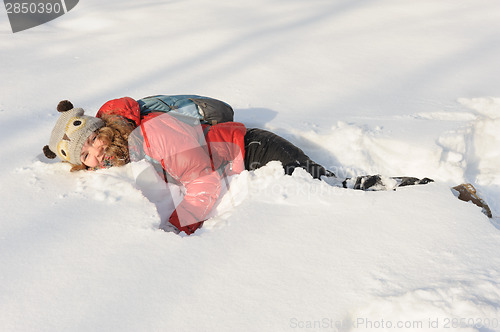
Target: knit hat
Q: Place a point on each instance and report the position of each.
(70, 133)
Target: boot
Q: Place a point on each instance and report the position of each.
(467, 193)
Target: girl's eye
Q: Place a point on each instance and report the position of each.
(94, 138)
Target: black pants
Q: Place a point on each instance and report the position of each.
(262, 146)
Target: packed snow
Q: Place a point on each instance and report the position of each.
(397, 88)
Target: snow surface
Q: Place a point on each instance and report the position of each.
(364, 87)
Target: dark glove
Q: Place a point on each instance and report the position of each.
(188, 229)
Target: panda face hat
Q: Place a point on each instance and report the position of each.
(70, 133)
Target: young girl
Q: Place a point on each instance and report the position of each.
(195, 156)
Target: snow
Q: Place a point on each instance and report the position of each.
(363, 87)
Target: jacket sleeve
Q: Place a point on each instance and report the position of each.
(126, 107)
(177, 147)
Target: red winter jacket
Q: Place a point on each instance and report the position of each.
(194, 159)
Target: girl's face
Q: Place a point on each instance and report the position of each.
(92, 151)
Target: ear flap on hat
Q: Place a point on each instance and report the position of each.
(48, 152)
(64, 105)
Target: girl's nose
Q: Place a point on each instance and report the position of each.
(94, 150)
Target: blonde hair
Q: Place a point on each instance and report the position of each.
(114, 135)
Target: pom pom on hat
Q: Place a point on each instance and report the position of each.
(48, 152)
(70, 133)
(64, 105)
